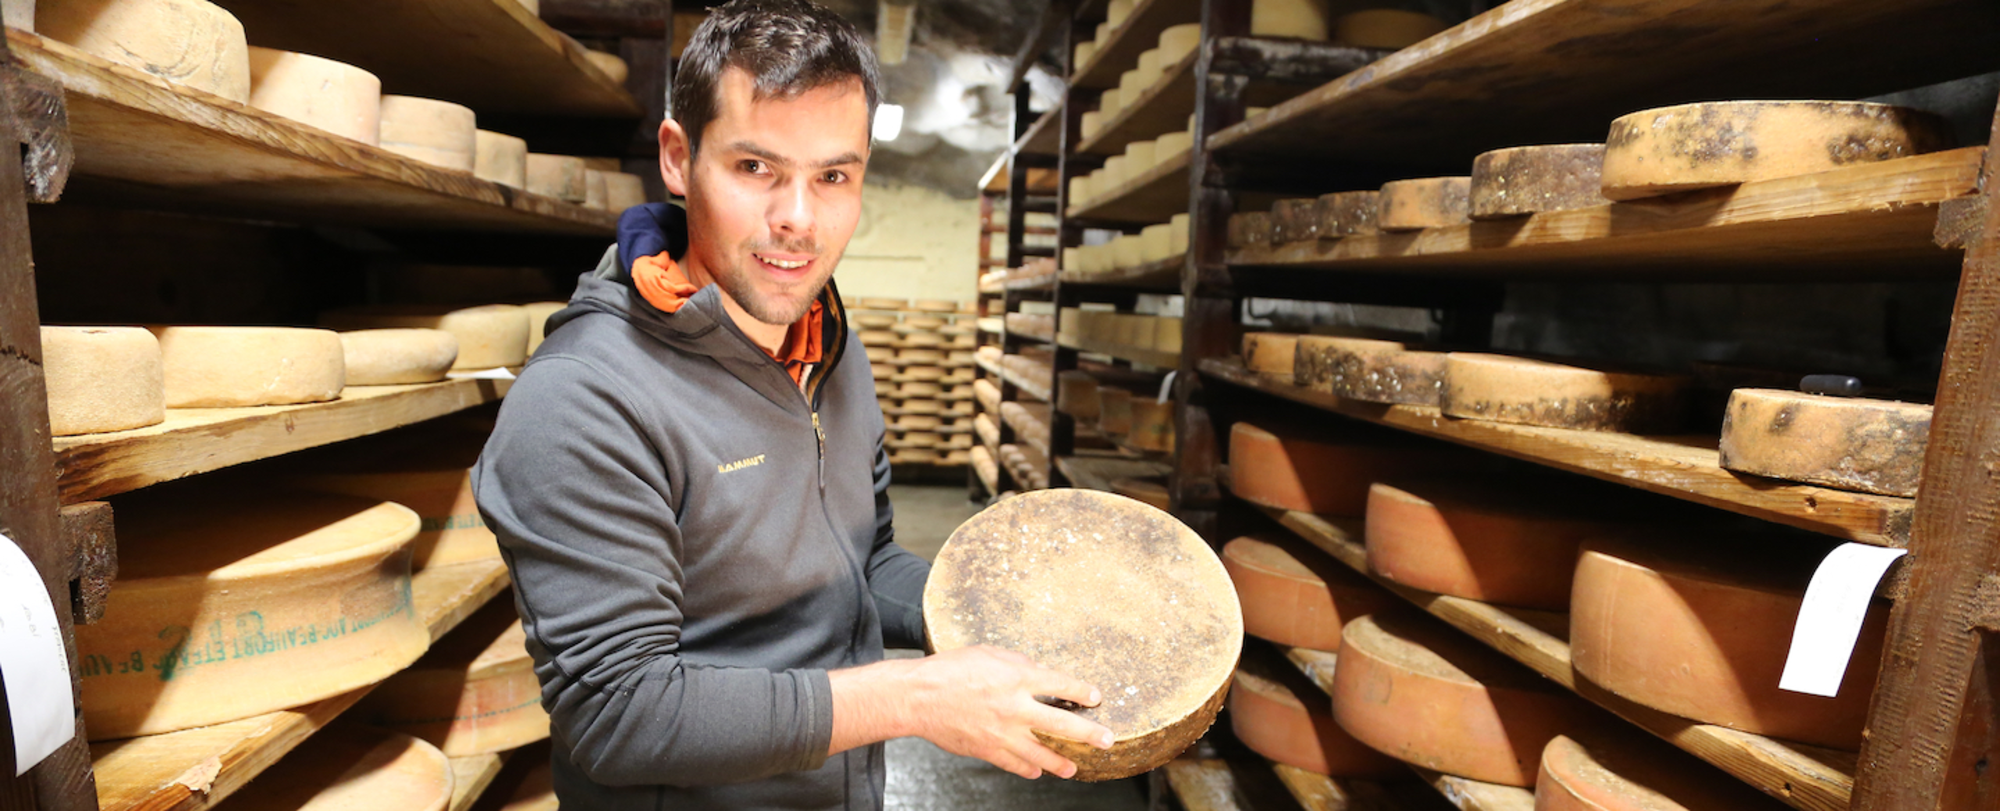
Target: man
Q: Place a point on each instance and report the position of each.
(689, 482)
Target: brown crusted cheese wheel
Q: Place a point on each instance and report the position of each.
(1290, 721)
(1432, 202)
(1152, 425)
(557, 176)
(502, 159)
(1151, 492)
(228, 367)
(1423, 693)
(1699, 627)
(1874, 446)
(489, 336)
(1106, 589)
(1295, 220)
(102, 379)
(474, 692)
(1290, 603)
(1531, 179)
(1483, 539)
(1270, 354)
(439, 133)
(1348, 213)
(193, 43)
(1719, 143)
(319, 92)
(1501, 388)
(386, 357)
(1630, 771)
(1328, 474)
(352, 766)
(1076, 395)
(1370, 370)
(1249, 229)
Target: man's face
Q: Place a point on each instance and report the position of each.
(775, 193)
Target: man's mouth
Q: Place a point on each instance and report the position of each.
(784, 264)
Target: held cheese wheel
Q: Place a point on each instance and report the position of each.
(350, 766)
(1874, 446)
(595, 194)
(228, 367)
(1270, 354)
(1292, 723)
(610, 65)
(1329, 474)
(1628, 771)
(1348, 213)
(1295, 220)
(333, 96)
(229, 607)
(102, 379)
(1147, 491)
(1535, 392)
(623, 190)
(1076, 395)
(1108, 590)
(1485, 539)
(538, 320)
(1432, 202)
(386, 357)
(1719, 143)
(439, 133)
(1249, 229)
(489, 336)
(1423, 693)
(1389, 28)
(1699, 628)
(1297, 19)
(473, 693)
(1530, 179)
(502, 159)
(1291, 603)
(558, 176)
(193, 43)
(1152, 425)
(1370, 370)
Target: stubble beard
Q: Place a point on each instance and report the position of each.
(782, 307)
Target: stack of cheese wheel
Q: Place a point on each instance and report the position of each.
(230, 605)
(351, 766)
(432, 477)
(1853, 443)
(1708, 144)
(102, 379)
(1531, 179)
(1321, 471)
(1289, 602)
(558, 176)
(439, 133)
(333, 96)
(489, 336)
(1423, 693)
(226, 367)
(1279, 713)
(1369, 370)
(1698, 625)
(1500, 388)
(1614, 769)
(502, 159)
(475, 692)
(396, 356)
(1108, 590)
(1492, 539)
(193, 43)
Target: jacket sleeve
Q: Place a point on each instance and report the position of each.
(580, 500)
(895, 576)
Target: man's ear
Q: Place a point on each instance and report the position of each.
(676, 157)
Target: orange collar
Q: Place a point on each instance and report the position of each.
(663, 284)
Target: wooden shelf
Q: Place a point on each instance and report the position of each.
(1153, 197)
(1162, 276)
(1034, 335)
(141, 141)
(993, 324)
(1875, 219)
(1685, 467)
(1558, 71)
(1138, 33)
(1804, 776)
(199, 440)
(1098, 472)
(992, 485)
(1472, 795)
(494, 56)
(1042, 138)
(1202, 784)
(1038, 283)
(1164, 108)
(1135, 354)
(1037, 391)
(197, 768)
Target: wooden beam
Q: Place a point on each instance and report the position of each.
(43, 133)
(1292, 61)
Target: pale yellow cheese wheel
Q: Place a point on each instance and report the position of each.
(558, 176)
(1111, 101)
(434, 480)
(502, 159)
(227, 367)
(350, 767)
(623, 190)
(1299, 19)
(1139, 158)
(474, 692)
(439, 133)
(1180, 233)
(594, 192)
(1116, 11)
(386, 357)
(230, 606)
(612, 66)
(538, 320)
(1092, 123)
(193, 43)
(534, 8)
(1127, 251)
(1697, 146)
(102, 379)
(333, 96)
(1386, 28)
(1156, 243)
(1535, 392)
(1085, 51)
(1176, 42)
(1171, 145)
(489, 336)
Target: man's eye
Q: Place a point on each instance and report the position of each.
(835, 176)
(753, 167)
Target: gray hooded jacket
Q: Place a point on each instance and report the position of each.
(691, 556)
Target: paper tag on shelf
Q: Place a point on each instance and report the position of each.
(1830, 617)
(1167, 386)
(495, 373)
(32, 662)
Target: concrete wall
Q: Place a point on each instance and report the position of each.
(912, 242)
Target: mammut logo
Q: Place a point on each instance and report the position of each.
(740, 464)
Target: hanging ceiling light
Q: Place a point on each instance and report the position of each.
(894, 22)
(888, 122)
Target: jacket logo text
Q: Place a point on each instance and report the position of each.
(740, 464)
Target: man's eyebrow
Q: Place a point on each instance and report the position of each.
(768, 156)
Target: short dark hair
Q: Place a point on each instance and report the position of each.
(788, 47)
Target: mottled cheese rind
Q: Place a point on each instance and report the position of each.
(193, 43)
(489, 336)
(1482, 539)
(387, 357)
(1850, 443)
(538, 320)
(1702, 145)
(1289, 602)
(439, 133)
(1348, 213)
(558, 176)
(228, 367)
(1271, 354)
(595, 194)
(1295, 220)
(1531, 179)
(500, 158)
(1249, 229)
(352, 766)
(1431, 202)
(1369, 370)
(102, 379)
(319, 92)
(1500, 388)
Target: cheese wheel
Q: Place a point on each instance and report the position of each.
(432, 478)
(538, 320)
(1874, 446)
(1388, 28)
(502, 159)
(1139, 607)
(1176, 42)
(1295, 220)
(1250, 229)
(1432, 202)
(439, 133)
(1370, 370)
(1485, 539)
(1167, 334)
(558, 176)
(1076, 395)
(1534, 392)
(1627, 771)
(193, 43)
(386, 357)
(1293, 724)
(988, 429)
(1115, 13)
(475, 692)
(489, 336)
(333, 96)
(1148, 491)
(351, 766)
(924, 322)
(1298, 19)
(1290, 603)
(1171, 145)
(610, 65)
(228, 607)
(935, 305)
(1327, 474)
(1152, 425)
(883, 304)
(1699, 627)
(1270, 354)
(987, 393)
(228, 367)
(1128, 252)
(623, 190)
(1707, 144)
(876, 337)
(18, 14)
(1085, 51)
(1531, 179)
(1423, 693)
(875, 322)
(921, 355)
(102, 379)
(595, 194)
(1348, 213)
(1139, 157)
(1114, 411)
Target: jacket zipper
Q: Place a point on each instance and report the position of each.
(820, 434)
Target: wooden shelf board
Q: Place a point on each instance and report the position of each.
(1037, 283)
(199, 440)
(1558, 71)
(1202, 784)
(1877, 216)
(1098, 472)
(1047, 337)
(1153, 197)
(1135, 354)
(1685, 467)
(1038, 391)
(494, 56)
(1162, 109)
(470, 775)
(1163, 276)
(1044, 137)
(197, 768)
(1139, 32)
(1467, 794)
(141, 141)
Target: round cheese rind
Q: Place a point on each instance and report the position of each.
(1348, 213)
(1531, 179)
(1290, 603)
(228, 367)
(1152, 425)
(500, 158)
(1328, 477)
(1874, 446)
(595, 194)
(475, 691)
(1250, 228)
(1297, 19)
(102, 379)
(1277, 722)
(1296, 220)
(1480, 539)
(538, 320)
(1432, 202)
(558, 176)
(623, 190)
(1076, 395)
(1370, 370)
(489, 336)
(193, 43)
(1386, 28)
(1606, 771)
(439, 133)
(1270, 354)
(435, 480)
(229, 607)
(1534, 392)
(386, 357)
(333, 96)
(350, 766)
(1697, 146)
(612, 66)
(1114, 411)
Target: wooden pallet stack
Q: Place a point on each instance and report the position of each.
(921, 353)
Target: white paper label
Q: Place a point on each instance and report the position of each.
(1830, 617)
(32, 661)
(1167, 387)
(495, 373)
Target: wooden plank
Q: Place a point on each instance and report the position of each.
(1466, 794)
(197, 768)
(1203, 784)
(1098, 472)
(198, 440)
(470, 775)
(1153, 197)
(140, 140)
(1877, 216)
(1682, 466)
(1038, 390)
(1139, 32)
(1163, 276)
(1135, 354)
